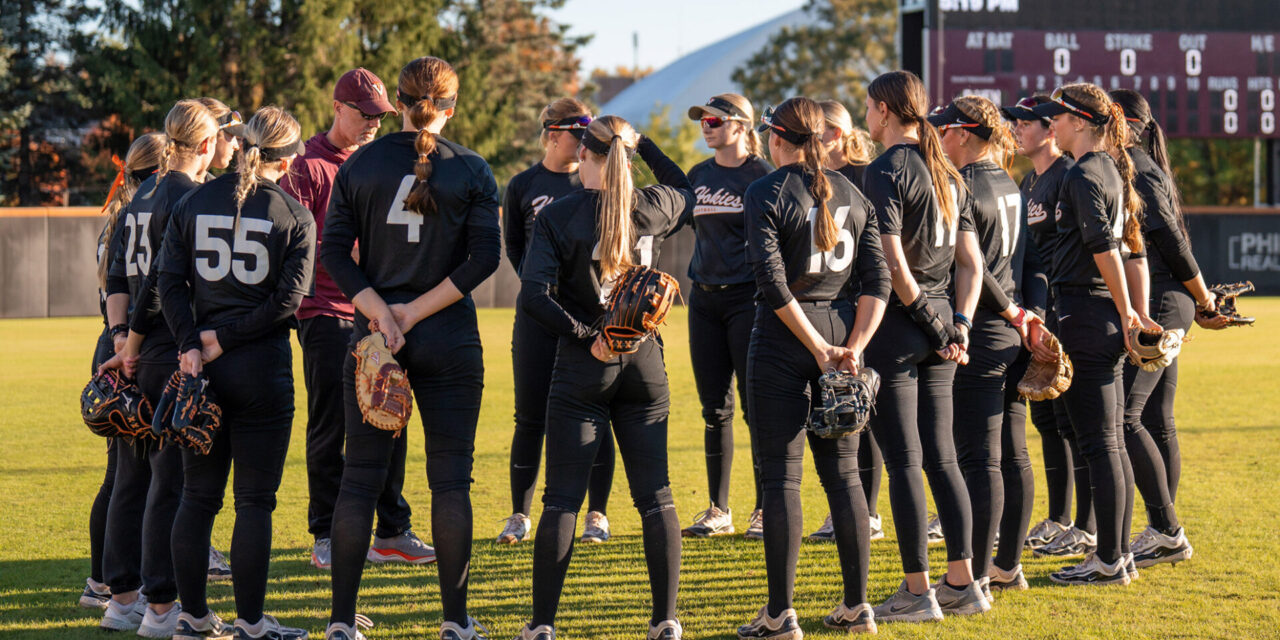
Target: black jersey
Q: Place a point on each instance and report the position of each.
(781, 218)
(1169, 255)
(564, 255)
(1090, 218)
(404, 254)
(854, 173)
(900, 187)
(144, 223)
(1040, 200)
(245, 281)
(720, 252)
(527, 193)
(997, 218)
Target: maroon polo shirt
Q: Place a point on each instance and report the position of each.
(310, 181)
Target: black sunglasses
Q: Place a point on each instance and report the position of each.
(364, 115)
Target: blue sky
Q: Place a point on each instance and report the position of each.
(668, 28)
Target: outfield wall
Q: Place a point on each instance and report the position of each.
(48, 268)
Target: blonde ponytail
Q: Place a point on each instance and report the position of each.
(617, 192)
(271, 135)
(143, 153)
(187, 124)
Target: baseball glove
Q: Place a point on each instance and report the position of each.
(1154, 350)
(1224, 299)
(113, 406)
(382, 387)
(187, 414)
(1047, 380)
(638, 303)
(847, 403)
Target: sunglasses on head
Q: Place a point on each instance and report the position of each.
(1060, 97)
(233, 119)
(568, 124)
(364, 115)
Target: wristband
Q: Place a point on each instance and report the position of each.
(960, 318)
(1021, 318)
(119, 329)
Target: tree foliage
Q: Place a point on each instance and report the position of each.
(848, 43)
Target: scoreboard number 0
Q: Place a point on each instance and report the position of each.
(1267, 121)
(1230, 119)
(1128, 62)
(1061, 61)
(1193, 62)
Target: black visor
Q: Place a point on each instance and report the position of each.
(1024, 110)
(767, 123)
(1061, 103)
(953, 118)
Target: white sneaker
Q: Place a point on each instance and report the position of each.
(406, 547)
(933, 531)
(155, 625)
(784, 627)
(1093, 571)
(665, 630)
(518, 527)
(710, 522)
(96, 595)
(123, 617)
(755, 526)
(825, 533)
(1151, 548)
(963, 601)
(1045, 532)
(876, 526)
(322, 553)
(904, 606)
(341, 631)
(473, 631)
(218, 567)
(596, 528)
(268, 628)
(210, 627)
(860, 619)
(1011, 580)
(1075, 542)
(540, 632)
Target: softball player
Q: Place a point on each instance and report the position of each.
(230, 128)
(975, 138)
(849, 151)
(1065, 469)
(581, 243)
(926, 227)
(1096, 213)
(1177, 290)
(813, 241)
(425, 213)
(139, 163)
(237, 259)
(149, 476)
(533, 348)
(722, 300)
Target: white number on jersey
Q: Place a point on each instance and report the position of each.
(138, 246)
(225, 260)
(1010, 207)
(644, 246)
(1117, 221)
(840, 256)
(399, 215)
(940, 233)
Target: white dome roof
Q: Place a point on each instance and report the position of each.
(699, 75)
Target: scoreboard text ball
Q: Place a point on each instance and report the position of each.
(1208, 68)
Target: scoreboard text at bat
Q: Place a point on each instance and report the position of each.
(1205, 74)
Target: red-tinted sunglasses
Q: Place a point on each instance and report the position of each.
(715, 122)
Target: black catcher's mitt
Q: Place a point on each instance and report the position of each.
(847, 403)
(638, 303)
(111, 406)
(187, 414)
(1224, 299)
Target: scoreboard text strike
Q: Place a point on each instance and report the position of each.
(1209, 69)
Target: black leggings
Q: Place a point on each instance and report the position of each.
(254, 386)
(719, 335)
(533, 357)
(101, 502)
(1015, 469)
(979, 426)
(325, 341)
(912, 423)
(445, 365)
(630, 392)
(782, 379)
(1090, 332)
(148, 487)
(1173, 308)
(870, 468)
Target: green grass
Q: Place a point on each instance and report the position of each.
(1227, 411)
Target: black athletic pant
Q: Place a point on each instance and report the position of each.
(912, 423)
(870, 468)
(1173, 308)
(1059, 469)
(1090, 332)
(1086, 518)
(533, 358)
(782, 385)
(587, 395)
(720, 324)
(979, 414)
(1015, 469)
(325, 342)
(254, 386)
(145, 497)
(98, 512)
(443, 359)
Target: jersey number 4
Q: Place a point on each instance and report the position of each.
(399, 215)
(233, 258)
(137, 250)
(840, 256)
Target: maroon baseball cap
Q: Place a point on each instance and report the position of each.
(363, 89)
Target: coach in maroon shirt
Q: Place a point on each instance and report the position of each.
(359, 104)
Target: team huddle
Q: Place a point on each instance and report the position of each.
(909, 293)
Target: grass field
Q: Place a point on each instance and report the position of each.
(1228, 409)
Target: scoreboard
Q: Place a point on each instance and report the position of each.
(1209, 68)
